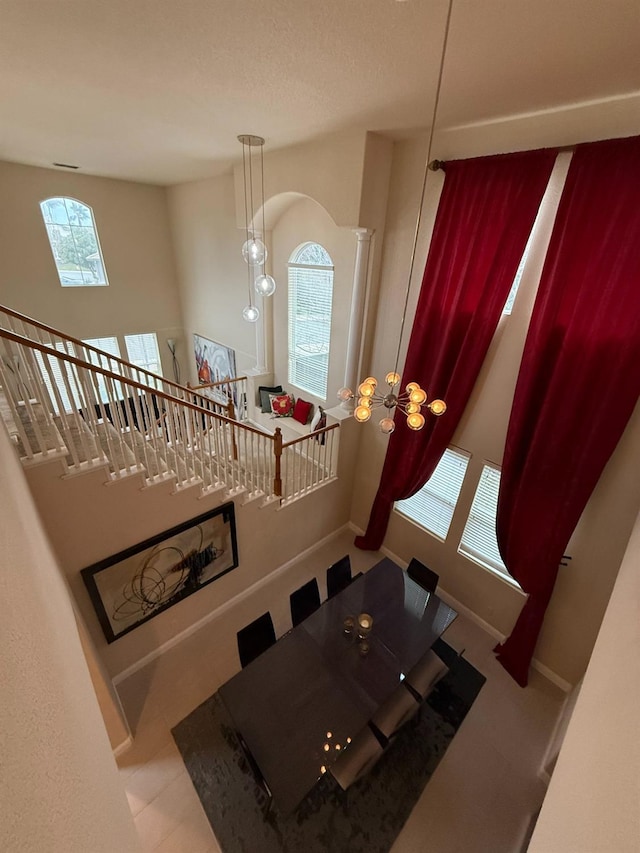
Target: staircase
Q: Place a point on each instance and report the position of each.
(62, 399)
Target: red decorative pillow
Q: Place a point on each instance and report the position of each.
(302, 410)
(282, 405)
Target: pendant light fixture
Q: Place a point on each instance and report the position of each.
(413, 399)
(254, 250)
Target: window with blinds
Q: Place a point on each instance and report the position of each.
(310, 299)
(433, 506)
(142, 350)
(111, 347)
(478, 541)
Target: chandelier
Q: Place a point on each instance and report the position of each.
(254, 250)
(413, 399)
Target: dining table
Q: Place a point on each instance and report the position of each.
(302, 701)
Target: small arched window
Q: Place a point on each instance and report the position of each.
(310, 299)
(73, 238)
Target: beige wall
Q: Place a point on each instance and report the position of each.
(583, 589)
(133, 227)
(592, 801)
(328, 170)
(212, 273)
(87, 521)
(59, 786)
(305, 221)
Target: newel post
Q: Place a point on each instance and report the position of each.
(277, 450)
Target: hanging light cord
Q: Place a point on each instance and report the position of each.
(264, 230)
(424, 180)
(246, 211)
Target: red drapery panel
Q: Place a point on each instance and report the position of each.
(579, 378)
(486, 212)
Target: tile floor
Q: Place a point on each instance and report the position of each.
(480, 799)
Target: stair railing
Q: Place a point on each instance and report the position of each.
(214, 396)
(64, 406)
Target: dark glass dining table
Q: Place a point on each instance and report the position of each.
(302, 701)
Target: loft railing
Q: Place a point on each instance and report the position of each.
(216, 396)
(62, 406)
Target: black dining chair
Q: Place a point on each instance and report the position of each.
(338, 576)
(304, 601)
(423, 575)
(258, 778)
(423, 677)
(394, 712)
(255, 638)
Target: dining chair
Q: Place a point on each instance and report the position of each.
(397, 710)
(357, 759)
(338, 576)
(257, 775)
(423, 575)
(304, 601)
(255, 638)
(424, 676)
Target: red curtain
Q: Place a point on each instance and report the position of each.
(486, 212)
(579, 378)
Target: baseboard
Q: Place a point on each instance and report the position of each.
(219, 611)
(549, 674)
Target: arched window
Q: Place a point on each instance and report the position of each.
(310, 298)
(74, 242)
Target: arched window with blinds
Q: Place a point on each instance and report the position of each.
(310, 279)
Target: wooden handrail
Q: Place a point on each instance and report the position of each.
(118, 377)
(315, 432)
(24, 318)
(215, 384)
(276, 439)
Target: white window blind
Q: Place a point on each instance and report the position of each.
(73, 238)
(310, 301)
(111, 347)
(142, 350)
(53, 372)
(433, 506)
(478, 540)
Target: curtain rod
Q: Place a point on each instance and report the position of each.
(437, 165)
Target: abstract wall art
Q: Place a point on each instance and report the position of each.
(135, 585)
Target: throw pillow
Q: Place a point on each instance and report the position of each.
(301, 411)
(264, 391)
(282, 405)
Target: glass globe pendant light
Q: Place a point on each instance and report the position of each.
(265, 285)
(251, 314)
(254, 250)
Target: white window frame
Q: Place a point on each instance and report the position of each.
(482, 515)
(296, 371)
(69, 278)
(435, 503)
(133, 340)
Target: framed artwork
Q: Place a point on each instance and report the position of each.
(135, 585)
(214, 361)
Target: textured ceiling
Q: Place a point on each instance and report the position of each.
(157, 90)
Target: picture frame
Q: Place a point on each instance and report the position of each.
(131, 587)
(215, 362)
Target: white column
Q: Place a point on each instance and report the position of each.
(261, 338)
(356, 317)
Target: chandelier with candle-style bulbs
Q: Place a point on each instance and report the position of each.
(254, 250)
(410, 401)
(413, 399)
